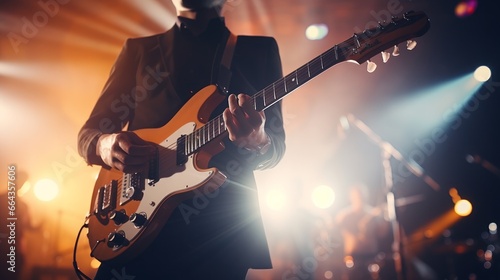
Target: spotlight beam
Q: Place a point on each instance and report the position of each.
(411, 165)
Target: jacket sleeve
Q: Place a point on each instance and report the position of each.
(113, 109)
(259, 65)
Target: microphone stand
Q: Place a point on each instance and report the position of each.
(388, 151)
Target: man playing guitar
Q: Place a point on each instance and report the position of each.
(152, 79)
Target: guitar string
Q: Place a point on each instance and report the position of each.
(268, 93)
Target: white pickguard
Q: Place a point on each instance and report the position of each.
(183, 178)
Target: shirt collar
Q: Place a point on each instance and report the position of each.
(196, 29)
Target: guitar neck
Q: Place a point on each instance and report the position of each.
(266, 97)
(282, 87)
(358, 48)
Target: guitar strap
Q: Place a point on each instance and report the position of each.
(224, 75)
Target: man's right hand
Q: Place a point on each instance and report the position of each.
(125, 151)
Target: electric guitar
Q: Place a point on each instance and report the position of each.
(128, 210)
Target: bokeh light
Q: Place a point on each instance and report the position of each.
(463, 207)
(316, 31)
(323, 196)
(46, 189)
(482, 74)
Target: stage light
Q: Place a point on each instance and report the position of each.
(492, 227)
(482, 74)
(455, 197)
(316, 31)
(418, 122)
(428, 233)
(323, 196)
(46, 189)
(276, 200)
(374, 268)
(463, 208)
(349, 261)
(465, 8)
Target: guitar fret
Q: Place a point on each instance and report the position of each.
(214, 133)
(220, 122)
(184, 146)
(284, 83)
(211, 130)
(198, 139)
(191, 142)
(315, 69)
(206, 137)
(218, 125)
(221, 125)
(290, 82)
(321, 60)
(308, 71)
(274, 91)
(264, 97)
(207, 133)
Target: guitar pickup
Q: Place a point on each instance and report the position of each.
(106, 198)
(154, 169)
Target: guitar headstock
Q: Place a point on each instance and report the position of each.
(363, 46)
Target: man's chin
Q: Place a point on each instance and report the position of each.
(202, 4)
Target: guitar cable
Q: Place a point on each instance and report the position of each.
(78, 272)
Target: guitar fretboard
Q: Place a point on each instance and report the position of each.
(266, 97)
(358, 48)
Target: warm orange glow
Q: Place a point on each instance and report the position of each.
(95, 263)
(432, 230)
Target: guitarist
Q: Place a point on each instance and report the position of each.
(150, 81)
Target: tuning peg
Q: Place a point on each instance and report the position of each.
(371, 66)
(385, 56)
(410, 45)
(395, 52)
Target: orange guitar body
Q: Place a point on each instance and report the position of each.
(127, 212)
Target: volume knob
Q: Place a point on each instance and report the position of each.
(138, 219)
(119, 217)
(116, 239)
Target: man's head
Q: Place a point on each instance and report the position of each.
(196, 5)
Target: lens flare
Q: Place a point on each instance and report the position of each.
(46, 190)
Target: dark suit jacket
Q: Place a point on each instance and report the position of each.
(140, 93)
